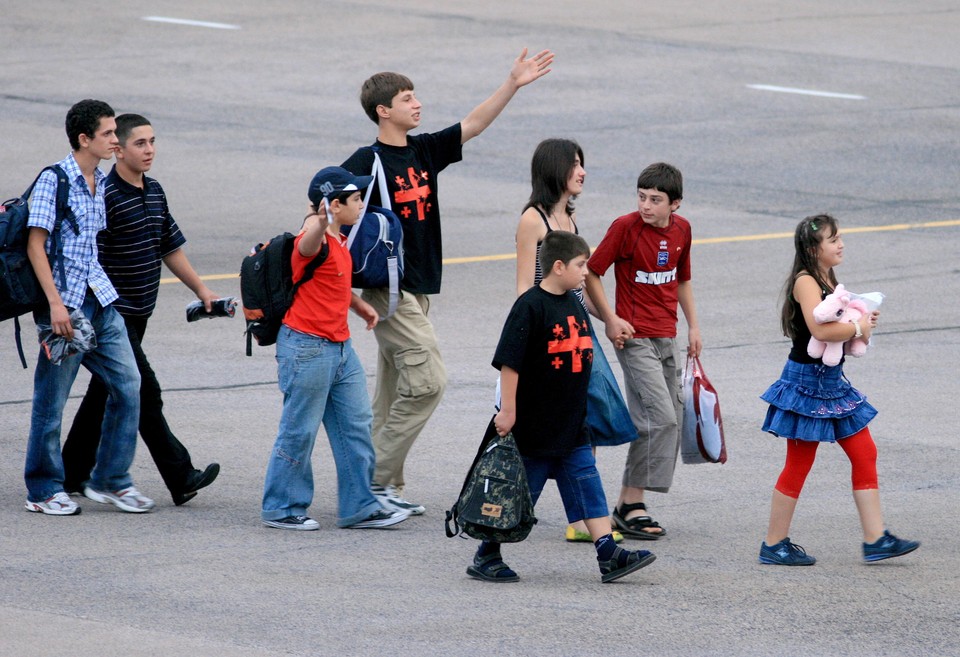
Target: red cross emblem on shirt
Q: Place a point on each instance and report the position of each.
(413, 191)
(575, 344)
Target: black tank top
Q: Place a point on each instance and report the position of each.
(538, 271)
(798, 353)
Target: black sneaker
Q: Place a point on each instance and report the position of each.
(195, 481)
(380, 519)
(302, 523)
(623, 562)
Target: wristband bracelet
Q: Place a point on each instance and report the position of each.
(858, 332)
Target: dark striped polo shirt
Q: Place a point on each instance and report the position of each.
(140, 233)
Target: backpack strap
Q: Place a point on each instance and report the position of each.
(380, 178)
(393, 270)
(63, 212)
(311, 267)
(16, 334)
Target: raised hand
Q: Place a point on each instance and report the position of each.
(525, 71)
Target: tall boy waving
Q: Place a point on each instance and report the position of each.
(411, 375)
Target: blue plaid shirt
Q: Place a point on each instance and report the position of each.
(80, 261)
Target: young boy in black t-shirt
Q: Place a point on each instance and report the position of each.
(544, 357)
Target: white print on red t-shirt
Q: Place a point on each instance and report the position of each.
(656, 277)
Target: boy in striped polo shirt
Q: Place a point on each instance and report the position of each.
(140, 235)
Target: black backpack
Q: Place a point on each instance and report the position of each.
(267, 287)
(20, 291)
(495, 502)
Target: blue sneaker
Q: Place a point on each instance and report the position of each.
(785, 553)
(887, 547)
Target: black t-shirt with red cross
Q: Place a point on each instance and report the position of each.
(546, 339)
(411, 172)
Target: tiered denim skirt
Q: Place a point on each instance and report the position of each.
(815, 402)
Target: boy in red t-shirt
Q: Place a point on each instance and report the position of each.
(650, 253)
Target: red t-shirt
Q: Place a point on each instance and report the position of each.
(648, 265)
(320, 305)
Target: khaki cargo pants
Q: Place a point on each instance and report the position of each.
(411, 378)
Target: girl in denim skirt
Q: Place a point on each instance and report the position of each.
(813, 403)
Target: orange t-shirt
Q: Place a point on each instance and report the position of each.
(320, 305)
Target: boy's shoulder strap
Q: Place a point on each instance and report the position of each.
(62, 208)
(311, 267)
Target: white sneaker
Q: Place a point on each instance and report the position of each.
(129, 499)
(58, 505)
(390, 498)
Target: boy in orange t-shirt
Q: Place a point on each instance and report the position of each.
(320, 376)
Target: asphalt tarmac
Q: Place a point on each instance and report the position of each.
(772, 110)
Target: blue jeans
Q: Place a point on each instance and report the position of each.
(112, 361)
(320, 381)
(577, 480)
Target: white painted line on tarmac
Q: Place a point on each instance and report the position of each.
(805, 92)
(186, 21)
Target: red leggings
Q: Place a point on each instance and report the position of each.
(860, 449)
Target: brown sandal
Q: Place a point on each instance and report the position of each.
(638, 527)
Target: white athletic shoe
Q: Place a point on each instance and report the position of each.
(390, 498)
(58, 505)
(129, 499)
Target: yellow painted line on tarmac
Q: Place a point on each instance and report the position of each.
(460, 261)
(706, 240)
(856, 229)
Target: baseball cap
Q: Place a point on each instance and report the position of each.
(331, 181)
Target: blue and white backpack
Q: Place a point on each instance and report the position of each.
(376, 242)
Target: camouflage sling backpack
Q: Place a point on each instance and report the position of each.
(495, 502)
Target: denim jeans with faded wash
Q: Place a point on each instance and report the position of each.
(321, 381)
(113, 362)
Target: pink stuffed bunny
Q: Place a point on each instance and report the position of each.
(837, 307)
